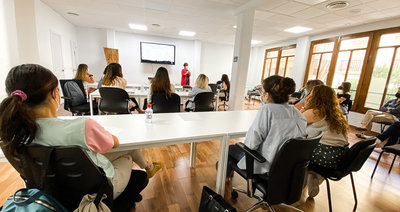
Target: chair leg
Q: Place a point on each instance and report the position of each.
(258, 204)
(376, 165)
(294, 208)
(391, 166)
(354, 192)
(329, 194)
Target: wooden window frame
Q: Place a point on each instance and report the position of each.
(278, 59)
(367, 67)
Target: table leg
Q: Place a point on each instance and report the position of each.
(193, 155)
(222, 165)
(91, 104)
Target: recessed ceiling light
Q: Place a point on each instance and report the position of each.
(187, 33)
(72, 14)
(337, 5)
(234, 26)
(138, 27)
(255, 41)
(297, 29)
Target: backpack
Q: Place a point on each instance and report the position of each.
(73, 90)
(32, 200)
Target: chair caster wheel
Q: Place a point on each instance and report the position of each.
(234, 194)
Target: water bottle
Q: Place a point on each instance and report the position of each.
(149, 114)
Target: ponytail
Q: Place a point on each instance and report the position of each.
(28, 86)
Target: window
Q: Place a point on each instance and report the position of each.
(370, 61)
(385, 78)
(279, 61)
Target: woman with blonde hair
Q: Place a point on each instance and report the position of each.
(323, 114)
(201, 87)
(161, 84)
(83, 74)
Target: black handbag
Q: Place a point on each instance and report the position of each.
(213, 202)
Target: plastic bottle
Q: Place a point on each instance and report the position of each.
(149, 114)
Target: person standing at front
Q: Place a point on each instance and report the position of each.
(185, 75)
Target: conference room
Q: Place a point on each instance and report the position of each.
(246, 57)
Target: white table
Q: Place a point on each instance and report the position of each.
(179, 128)
(133, 93)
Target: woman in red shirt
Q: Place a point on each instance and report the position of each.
(185, 75)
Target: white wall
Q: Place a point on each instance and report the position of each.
(47, 20)
(134, 71)
(8, 42)
(90, 47)
(216, 59)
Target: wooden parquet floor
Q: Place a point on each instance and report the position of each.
(178, 188)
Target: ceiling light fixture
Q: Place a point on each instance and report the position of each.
(337, 5)
(297, 29)
(234, 26)
(138, 27)
(187, 33)
(255, 41)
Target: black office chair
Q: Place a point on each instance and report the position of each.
(161, 104)
(213, 87)
(394, 149)
(384, 124)
(349, 106)
(114, 100)
(67, 173)
(352, 161)
(204, 102)
(286, 177)
(74, 97)
(224, 99)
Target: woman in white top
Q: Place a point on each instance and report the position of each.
(113, 78)
(323, 114)
(201, 87)
(276, 122)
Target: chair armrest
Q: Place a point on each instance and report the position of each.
(252, 153)
(67, 98)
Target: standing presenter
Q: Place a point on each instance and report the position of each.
(185, 75)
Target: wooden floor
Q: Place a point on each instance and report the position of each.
(178, 188)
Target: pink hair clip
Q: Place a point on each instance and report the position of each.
(19, 93)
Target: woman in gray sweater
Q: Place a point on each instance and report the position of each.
(201, 87)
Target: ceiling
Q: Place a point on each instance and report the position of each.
(213, 20)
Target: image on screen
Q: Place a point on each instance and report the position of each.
(157, 53)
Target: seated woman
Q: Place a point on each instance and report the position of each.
(309, 85)
(201, 87)
(113, 78)
(83, 74)
(388, 137)
(29, 116)
(389, 112)
(161, 84)
(323, 114)
(276, 122)
(344, 96)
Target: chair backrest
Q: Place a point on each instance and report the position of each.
(115, 100)
(161, 104)
(204, 101)
(69, 173)
(213, 87)
(288, 170)
(74, 90)
(349, 105)
(356, 156)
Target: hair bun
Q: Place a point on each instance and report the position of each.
(287, 86)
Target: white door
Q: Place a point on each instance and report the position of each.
(56, 53)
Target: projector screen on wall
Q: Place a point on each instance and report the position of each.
(157, 53)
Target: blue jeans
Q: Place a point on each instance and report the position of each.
(393, 133)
